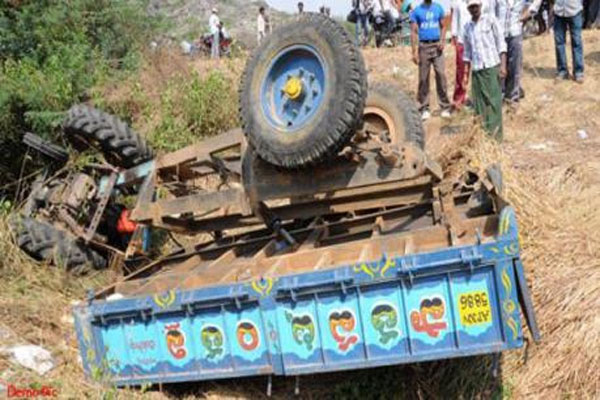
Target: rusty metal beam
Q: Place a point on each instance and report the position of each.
(230, 201)
(203, 150)
(264, 181)
(249, 268)
(232, 215)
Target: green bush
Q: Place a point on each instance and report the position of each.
(189, 106)
(52, 52)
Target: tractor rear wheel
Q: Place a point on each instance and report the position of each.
(87, 127)
(390, 111)
(303, 92)
(46, 243)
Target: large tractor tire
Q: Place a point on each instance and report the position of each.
(391, 111)
(87, 127)
(303, 92)
(44, 242)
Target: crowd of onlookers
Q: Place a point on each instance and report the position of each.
(488, 39)
(487, 36)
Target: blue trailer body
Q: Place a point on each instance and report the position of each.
(454, 302)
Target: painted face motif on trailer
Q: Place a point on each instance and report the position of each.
(247, 336)
(175, 341)
(341, 323)
(434, 307)
(429, 318)
(344, 320)
(384, 319)
(212, 340)
(303, 330)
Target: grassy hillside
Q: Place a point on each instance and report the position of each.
(189, 18)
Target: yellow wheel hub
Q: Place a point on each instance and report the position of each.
(293, 88)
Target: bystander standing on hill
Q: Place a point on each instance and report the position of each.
(568, 15)
(511, 22)
(460, 16)
(263, 25)
(485, 56)
(428, 30)
(214, 24)
(362, 9)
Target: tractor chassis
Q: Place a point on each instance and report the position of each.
(361, 196)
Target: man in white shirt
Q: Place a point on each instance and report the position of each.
(485, 55)
(262, 24)
(214, 24)
(511, 21)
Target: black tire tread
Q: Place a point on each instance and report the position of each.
(413, 124)
(86, 126)
(331, 143)
(45, 242)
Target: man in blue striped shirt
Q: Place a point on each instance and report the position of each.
(485, 55)
(511, 22)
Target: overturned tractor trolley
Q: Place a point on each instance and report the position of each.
(335, 242)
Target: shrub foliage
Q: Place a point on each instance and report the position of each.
(52, 52)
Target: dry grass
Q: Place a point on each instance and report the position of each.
(552, 179)
(558, 220)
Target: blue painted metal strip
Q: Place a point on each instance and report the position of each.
(526, 302)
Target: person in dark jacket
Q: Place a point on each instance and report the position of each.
(362, 8)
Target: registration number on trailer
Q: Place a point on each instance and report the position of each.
(474, 308)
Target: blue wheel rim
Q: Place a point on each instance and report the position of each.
(303, 64)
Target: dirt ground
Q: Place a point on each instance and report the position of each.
(551, 162)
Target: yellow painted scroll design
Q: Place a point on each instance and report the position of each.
(263, 286)
(508, 305)
(389, 263)
(165, 300)
(366, 269)
(376, 269)
(511, 249)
